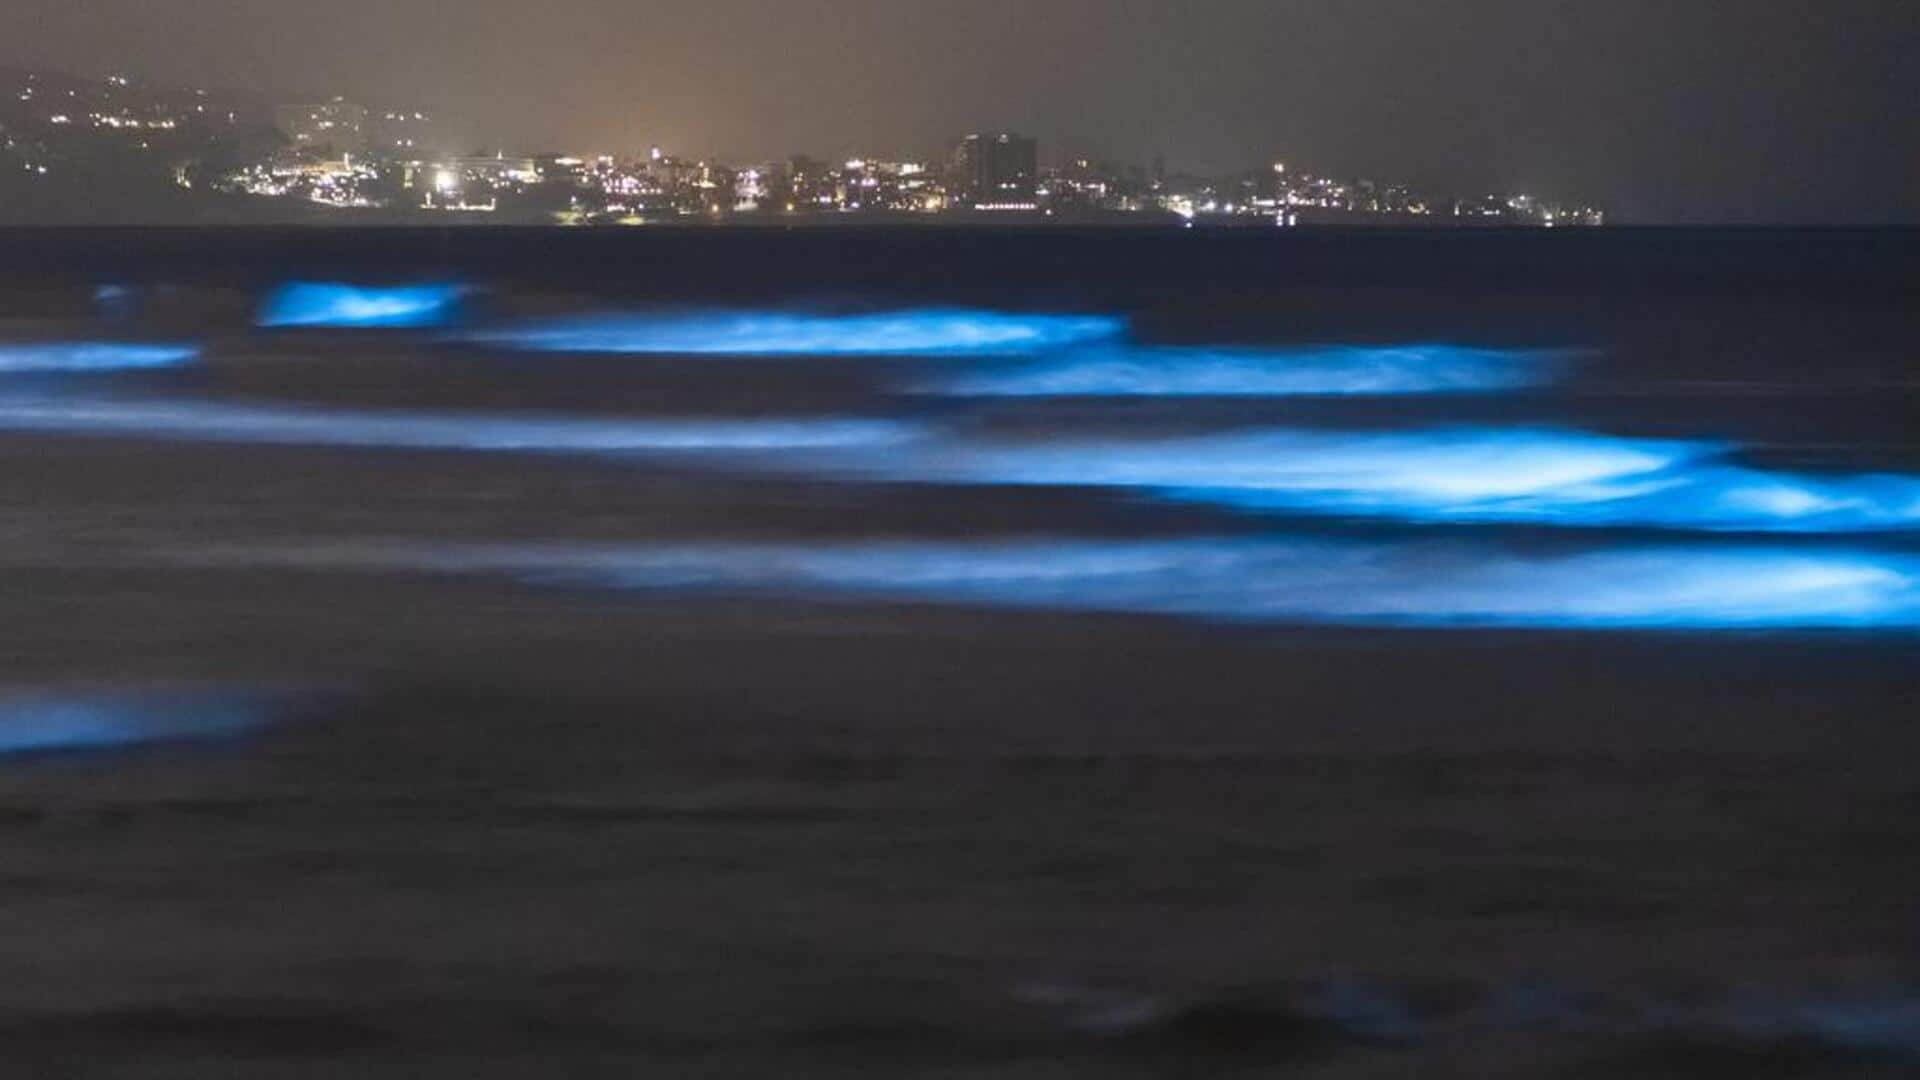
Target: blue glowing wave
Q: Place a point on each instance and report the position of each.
(79, 357)
(207, 422)
(359, 307)
(44, 724)
(1182, 371)
(1489, 476)
(902, 333)
(1494, 476)
(116, 301)
(1410, 584)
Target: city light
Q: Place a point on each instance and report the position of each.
(348, 157)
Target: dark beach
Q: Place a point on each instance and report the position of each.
(501, 824)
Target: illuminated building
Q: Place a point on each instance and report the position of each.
(334, 127)
(996, 172)
(401, 134)
(339, 154)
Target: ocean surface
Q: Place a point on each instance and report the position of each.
(909, 652)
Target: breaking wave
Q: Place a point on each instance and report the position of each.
(773, 333)
(360, 307)
(1407, 584)
(1329, 371)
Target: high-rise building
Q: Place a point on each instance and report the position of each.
(996, 172)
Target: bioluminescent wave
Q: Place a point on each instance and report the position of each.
(189, 421)
(326, 305)
(115, 301)
(772, 333)
(80, 357)
(49, 723)
(1474, 476)
(1495, 476)
(1413, 584)
(1329, 371)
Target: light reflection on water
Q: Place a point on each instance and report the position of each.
(92, 356)
(46, 723)
(195, 421)
(334, 305)
(1205, 371)
(1708, 586)
(774, 333)
(1472, 475)
(1477, 475)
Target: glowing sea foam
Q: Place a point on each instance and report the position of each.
(43, 724)
(902, 333)
(339, 306)
(1418, 584)
(1181, 371)
(1472, 475)
(91, 356)
(207, 422)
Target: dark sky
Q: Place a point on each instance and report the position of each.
(1696, 110)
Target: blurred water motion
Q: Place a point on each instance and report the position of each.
(775, 333)
(1165, 693)
(1492, 475)
(1203, 371)
(198, 421)
(43, 723)
(1472, 475)
(91, 356)
(1302, 581)
(360, 307)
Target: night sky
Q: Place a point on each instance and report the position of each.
(1663, 110)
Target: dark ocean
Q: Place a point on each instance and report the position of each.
(959, 653)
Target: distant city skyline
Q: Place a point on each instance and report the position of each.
(1710, 110)
(73, 148)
